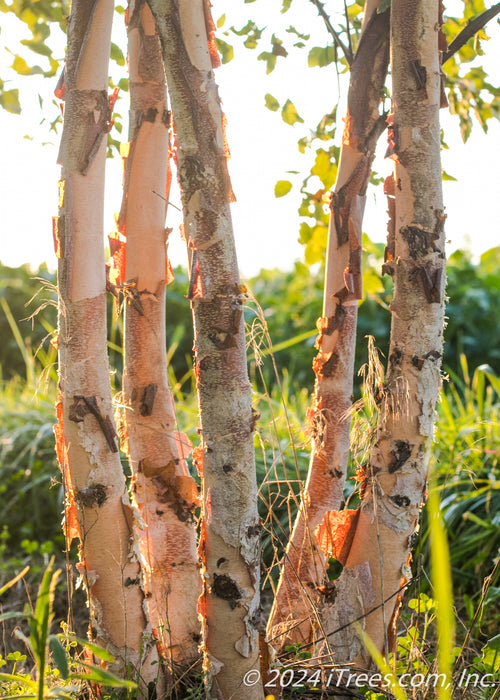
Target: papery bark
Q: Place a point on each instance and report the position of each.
(97, 505)
(396, 477)
(304, 570)
(163, 489)
(229, 548)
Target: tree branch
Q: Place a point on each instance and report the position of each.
(336, 38)
(470, 30)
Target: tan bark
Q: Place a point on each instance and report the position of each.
(395, 480)
(305, 564)
(97, 506)
(230, 539)
(164, 491)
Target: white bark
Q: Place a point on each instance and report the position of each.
(164, 491)
(230, 540)
(97, 507)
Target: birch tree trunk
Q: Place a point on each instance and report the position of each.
(164, 491)
(97, 506)
(305, 563)
(229, 548)
(395, 479)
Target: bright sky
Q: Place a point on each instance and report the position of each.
(263, 148)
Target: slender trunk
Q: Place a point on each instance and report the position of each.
(395, 479)
(229, 548)
(305, 564)
(164, 491)
(97, 506)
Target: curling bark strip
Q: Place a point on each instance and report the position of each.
(95, 486)
(164, 491)
(305, 564)
(229, 549)
(396, 477)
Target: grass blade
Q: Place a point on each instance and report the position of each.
(13, 581)
(59, 655)
(443, 592)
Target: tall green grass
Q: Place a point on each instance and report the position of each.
(461, 523)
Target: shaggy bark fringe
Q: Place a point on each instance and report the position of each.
(229, 548)
(98, 512)
(163, 490)
(302, 581)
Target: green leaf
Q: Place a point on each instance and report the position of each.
(372, 284)
(226, 50)
(270, 60)
(99, 675)
(372, 248)
(305, 233)
(271, 102)
(334, 569)
(246, 29)
(286, 6)
(324, 168)
(489, 261)
(290, 114)
(21, 67)
(491, 654)
(221, 21)
(316, 247)
(11, 615)
(282, 187)
(446, 176)
(96, 650)
(278, 48)
(494, 642)
(117, 54)
(38, 47)
(59, 655)
(18, 678)
(321, 56)
(292, 30)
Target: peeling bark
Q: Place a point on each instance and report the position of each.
(305, 564)
(163, 490)
(229, 547)
(97, 507)
(396, 477)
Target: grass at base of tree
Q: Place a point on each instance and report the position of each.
(466, 467)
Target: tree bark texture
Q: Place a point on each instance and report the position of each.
(301, 588)
(229, 547)
(97, 506)
(163, 489)
(395, 479)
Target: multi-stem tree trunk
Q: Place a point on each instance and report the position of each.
(305, 564)
(164, 491)
(395, 479)
(97, 506)
(230, 538)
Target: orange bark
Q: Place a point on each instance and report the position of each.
(304, 569)
(165, 493)
(86, 438)
(231, 542)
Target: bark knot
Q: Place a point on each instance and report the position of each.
(225, 587)
(91, 496)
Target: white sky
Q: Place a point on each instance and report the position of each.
(263, 148)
